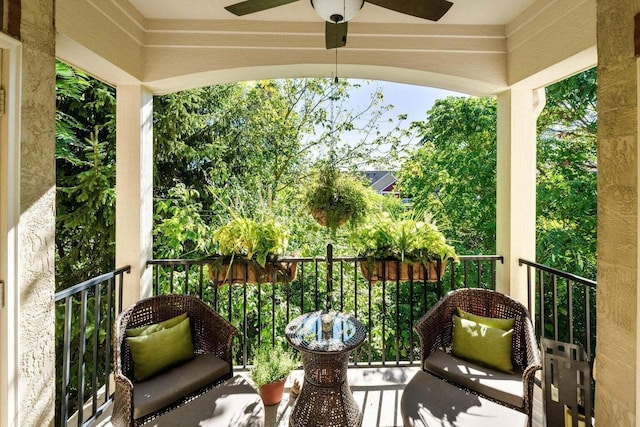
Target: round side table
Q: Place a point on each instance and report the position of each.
(325, 340)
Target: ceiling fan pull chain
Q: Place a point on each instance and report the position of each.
(336, 49)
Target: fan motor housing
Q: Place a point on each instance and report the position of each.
(337, 11)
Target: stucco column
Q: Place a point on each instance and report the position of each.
(518, 110)
(134, 189)
(617, 397)
(35, 285)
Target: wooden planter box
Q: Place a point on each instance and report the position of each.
(248, 271)
(388, 271)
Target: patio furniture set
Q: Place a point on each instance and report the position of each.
(454, 387)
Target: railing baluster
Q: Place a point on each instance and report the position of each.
(96, 335)
(66, 361)
(302, 282)
(369, 324)
(82, 348)
(341, 286)
(397, 332)
(587, 318)
(111, 313)
(273, 310)
(316, 285)
(245, 328)
(187, 269)
(384, 315)
(554, 286)
(201, 282)
(542, 307)
(570, 309)
(411, 321)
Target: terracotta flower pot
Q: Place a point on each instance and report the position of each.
(388, 270)
(271, 393)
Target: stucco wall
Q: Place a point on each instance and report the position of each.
(617, 214)
(37, 221)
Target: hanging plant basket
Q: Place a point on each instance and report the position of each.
(242, 270)
(321, 218)
(396, 270)
(334, 197)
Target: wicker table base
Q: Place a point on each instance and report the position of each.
(325, 399)
(325, 341)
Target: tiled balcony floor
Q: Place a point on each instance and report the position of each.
(377, 390)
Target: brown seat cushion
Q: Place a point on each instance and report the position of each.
(176, 383)
(235, 403)
(429, 401)
(500, 386)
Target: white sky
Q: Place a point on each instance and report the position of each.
(408, 99)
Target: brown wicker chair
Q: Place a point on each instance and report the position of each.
(211, 334)
(436, 327)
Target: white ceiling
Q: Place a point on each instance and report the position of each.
(467, 12)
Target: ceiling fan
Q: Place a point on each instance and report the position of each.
(337, 12)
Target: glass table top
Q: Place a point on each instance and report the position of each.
(323, 331)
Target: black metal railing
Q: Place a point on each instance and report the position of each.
(84, 322)
(387, 307)
(564, 307)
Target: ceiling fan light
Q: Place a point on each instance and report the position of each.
(337, 11)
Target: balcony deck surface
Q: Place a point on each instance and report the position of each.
(377, 390)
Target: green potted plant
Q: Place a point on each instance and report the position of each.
(250, 251)
(271, 367)
(384, 241)
(334, 197)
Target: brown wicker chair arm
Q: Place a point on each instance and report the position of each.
(122, 414)
(433, 328)
(532, 365)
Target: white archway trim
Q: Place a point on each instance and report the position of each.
(9, 222)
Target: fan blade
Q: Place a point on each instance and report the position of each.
(252, 6)
(335, 35)
(426, 9)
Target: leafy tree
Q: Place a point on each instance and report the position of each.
(453, 173)
(250, 146)
(85, 176)
(567, 176)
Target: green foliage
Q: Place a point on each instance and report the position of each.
(251, 145)
(252, 239)
(180, 229)
(405, 238)
(271, 364)
(453, 173)
(85, 177)
(567, 176)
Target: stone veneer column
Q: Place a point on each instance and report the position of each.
(36, 246)
(617, 294)
(518, 110)
(134, 189)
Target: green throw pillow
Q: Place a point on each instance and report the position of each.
(149, 329)
(504, 324)
(480, 343)
(154, 352)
